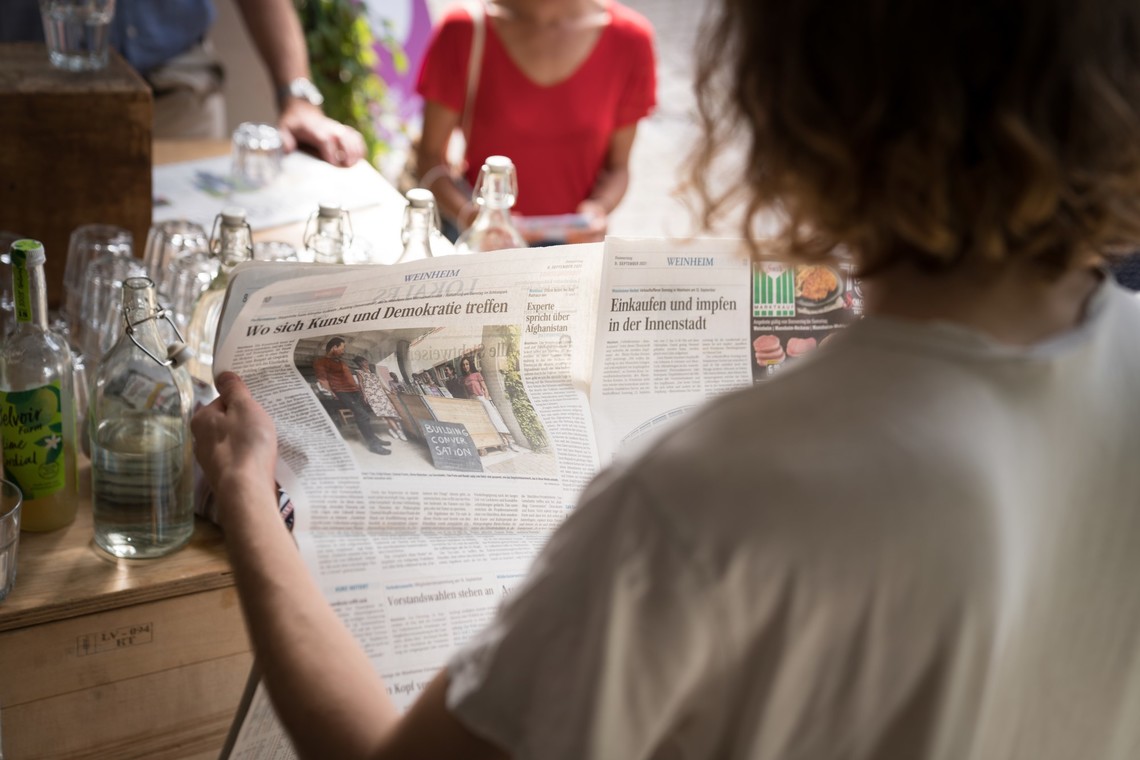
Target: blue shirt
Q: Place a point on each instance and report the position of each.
(148, 33)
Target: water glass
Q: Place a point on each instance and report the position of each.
(7, 304)
(101, 315)
(166, 243)
(78, 33)
(274, 250)
(190, 275)
(360, 251)
(10, 501)
(87, 243)
(257, 155)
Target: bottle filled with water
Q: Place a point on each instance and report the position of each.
(495, 194)
(328, 234)
(421, 225)
(142, 399)
(231, 243)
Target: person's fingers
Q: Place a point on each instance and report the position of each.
(342, 146)
(340, 152)
(288, 139)
(353, 144)
(231, 388)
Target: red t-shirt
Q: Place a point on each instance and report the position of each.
(336, 374)
(557, 136)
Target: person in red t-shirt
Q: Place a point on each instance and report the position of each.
(336, 377)
(561, 88)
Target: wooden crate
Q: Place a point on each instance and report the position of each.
(106, 658)
(75, 148)
(158, 680)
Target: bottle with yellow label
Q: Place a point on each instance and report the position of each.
(37, 401)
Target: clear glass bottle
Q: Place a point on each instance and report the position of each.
(37, 401)
(495, 194)
(231, 244)
(142, 471)
(421, 224)
(328, 234)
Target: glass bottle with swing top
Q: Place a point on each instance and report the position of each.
(231, 243)
(142, 473)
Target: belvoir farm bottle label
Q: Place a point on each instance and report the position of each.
(31, 423)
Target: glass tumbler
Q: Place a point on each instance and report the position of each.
(87, 243)
(7, 304)
(168, 241)
(101, 314)
(11, 499)
(257, 155)
(78, 33)
(274, 250)
(189, 278)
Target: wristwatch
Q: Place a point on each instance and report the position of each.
(301, 89)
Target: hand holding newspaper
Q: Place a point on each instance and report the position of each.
(497, 384)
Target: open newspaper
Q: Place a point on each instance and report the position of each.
(502, 383)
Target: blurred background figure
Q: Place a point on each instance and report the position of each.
(168, 44)
(561, 87)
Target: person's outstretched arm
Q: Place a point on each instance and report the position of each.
(321, 682)
(280, 41)
(611, 184)
(434, 172)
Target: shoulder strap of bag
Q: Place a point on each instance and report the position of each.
(475, 63)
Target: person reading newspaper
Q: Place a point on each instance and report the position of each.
(918, 543)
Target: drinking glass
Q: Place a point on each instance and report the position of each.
(190, 275)
(101, 315)
(78, 33)
(7, 305)
(360, 251)
(166, 243)
(10, 501)
(257, 155)
(274, 250)
(87, 243)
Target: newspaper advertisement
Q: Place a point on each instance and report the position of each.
(498, 384)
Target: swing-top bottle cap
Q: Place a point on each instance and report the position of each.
(233, 216)
(498, 164)
(33, 251)
(420, 197)
(328, 209)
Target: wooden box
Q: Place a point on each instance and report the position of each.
(75, 148)
(104, 658)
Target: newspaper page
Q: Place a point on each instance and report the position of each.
(475, 370)
(682, 321)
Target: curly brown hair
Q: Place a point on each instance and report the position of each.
(935, 131)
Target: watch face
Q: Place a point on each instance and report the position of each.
(303, 89)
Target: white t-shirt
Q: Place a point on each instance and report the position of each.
(918, 545)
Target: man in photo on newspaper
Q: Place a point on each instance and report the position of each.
(921, 542)
(335, 376)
